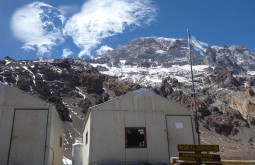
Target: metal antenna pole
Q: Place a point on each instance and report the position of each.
(193, 89)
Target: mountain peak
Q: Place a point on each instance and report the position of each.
(8, 58)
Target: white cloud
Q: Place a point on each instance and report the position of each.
(28, 47)
(66, 53)
(103, 49)
(69, 10)
(40, 26)
(35, 25)
(99, 19)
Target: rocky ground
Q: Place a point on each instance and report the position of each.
(232, 147)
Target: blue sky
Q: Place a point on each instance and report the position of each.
(81, 28)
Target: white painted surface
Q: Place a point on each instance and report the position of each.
(107, 137)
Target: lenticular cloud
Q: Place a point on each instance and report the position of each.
(39, 27)
(99, 19)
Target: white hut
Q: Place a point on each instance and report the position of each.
(138, 127)
(31, 131)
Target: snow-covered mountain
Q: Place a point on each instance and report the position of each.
(224, 83)
(148, 60)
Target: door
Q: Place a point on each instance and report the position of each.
(28, 137)
(179, 131)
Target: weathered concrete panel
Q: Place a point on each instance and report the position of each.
(136, 155)
(134, 119)
(107, 136)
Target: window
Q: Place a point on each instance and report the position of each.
(60, 141)
(87, 138)
(135, 137)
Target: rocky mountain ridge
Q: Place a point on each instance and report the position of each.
(167, 52)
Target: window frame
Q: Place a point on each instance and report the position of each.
(135, 128)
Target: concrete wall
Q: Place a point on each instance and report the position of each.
(13, 100)
(55, 138)
(136, 109)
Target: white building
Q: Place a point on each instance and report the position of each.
(31, 132)
(138, 127)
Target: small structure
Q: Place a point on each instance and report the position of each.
(31, 131)
(136, 128)
(77, 156)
